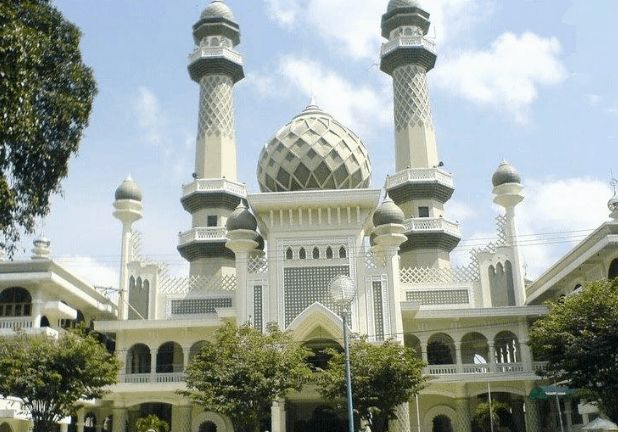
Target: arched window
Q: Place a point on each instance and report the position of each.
(342, 252)
(613, 270)
(474, 349)
(316, 253)
(289, 254)
(507, 347)
(302, 254)
(90, 423)
(440, 350)
(329, 252)
(170, 358)
(15, 301)
(138, 359)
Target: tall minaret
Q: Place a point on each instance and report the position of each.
(419, 187)
(216, 66)
(507, 191)
(128, 209)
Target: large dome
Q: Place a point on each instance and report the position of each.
(313, 151)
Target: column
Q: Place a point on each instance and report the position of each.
(533, 412)
(186, 351)
(492, 356)
(277, 413)
(458, 360)
(464, 418)
(153, 364)
(120, 419)
(80, 419)
(181, 418)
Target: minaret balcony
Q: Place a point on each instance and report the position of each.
(431, 233)
(215, 60)
(203, 235)
(203, 242)
(203, 193)
(406, 50)
(420, 183)
(408, 41)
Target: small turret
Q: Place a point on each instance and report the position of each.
(128, 209)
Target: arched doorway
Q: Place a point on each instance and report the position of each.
(5, 427)
(207, 426)
(442, 423)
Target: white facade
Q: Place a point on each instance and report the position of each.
(271, 258)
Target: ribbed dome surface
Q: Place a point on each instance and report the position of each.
(394, 4)
(218, 9)
(313, 151)
(505, 174)
(241, 218)
(388, 213)
(128, 190)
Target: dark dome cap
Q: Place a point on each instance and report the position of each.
(396, 4)
(218, 9)
(505, 174)
(241, 218)
(128, 190)
(388, 213)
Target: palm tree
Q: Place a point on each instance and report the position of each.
(151, 423)
(486, 411)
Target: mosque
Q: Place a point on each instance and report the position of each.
(270, 257)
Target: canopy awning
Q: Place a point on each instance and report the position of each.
(543, 392)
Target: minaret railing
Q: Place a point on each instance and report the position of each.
(408, 41)
(206, 52)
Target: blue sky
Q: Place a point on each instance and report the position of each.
(527, 81)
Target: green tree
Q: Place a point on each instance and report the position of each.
(578, 338)
(46, 95)
(383, 376)
(243, 371)
(151, 422)
(50, 375)
(487, 413)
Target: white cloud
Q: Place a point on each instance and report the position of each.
(284, 12)
(94, 272)
(499, 77)
(352, 27)
(355, 106)
(149, 115)
(594, 99)
(459, 211)
(555, 215)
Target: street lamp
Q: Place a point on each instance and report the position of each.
(342, 291)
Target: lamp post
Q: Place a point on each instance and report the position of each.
(342, 291)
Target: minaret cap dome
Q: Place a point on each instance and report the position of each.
(395, 4)
(218, 9)
(128, 190)
(241, 218)
(388, 213)
(313, 152)
(505, 174)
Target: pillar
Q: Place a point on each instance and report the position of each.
(120, 419)
(277, 413)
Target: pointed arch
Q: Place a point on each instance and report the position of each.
(302, 254)
(316, 316)
(329, 253)
(289, 254)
